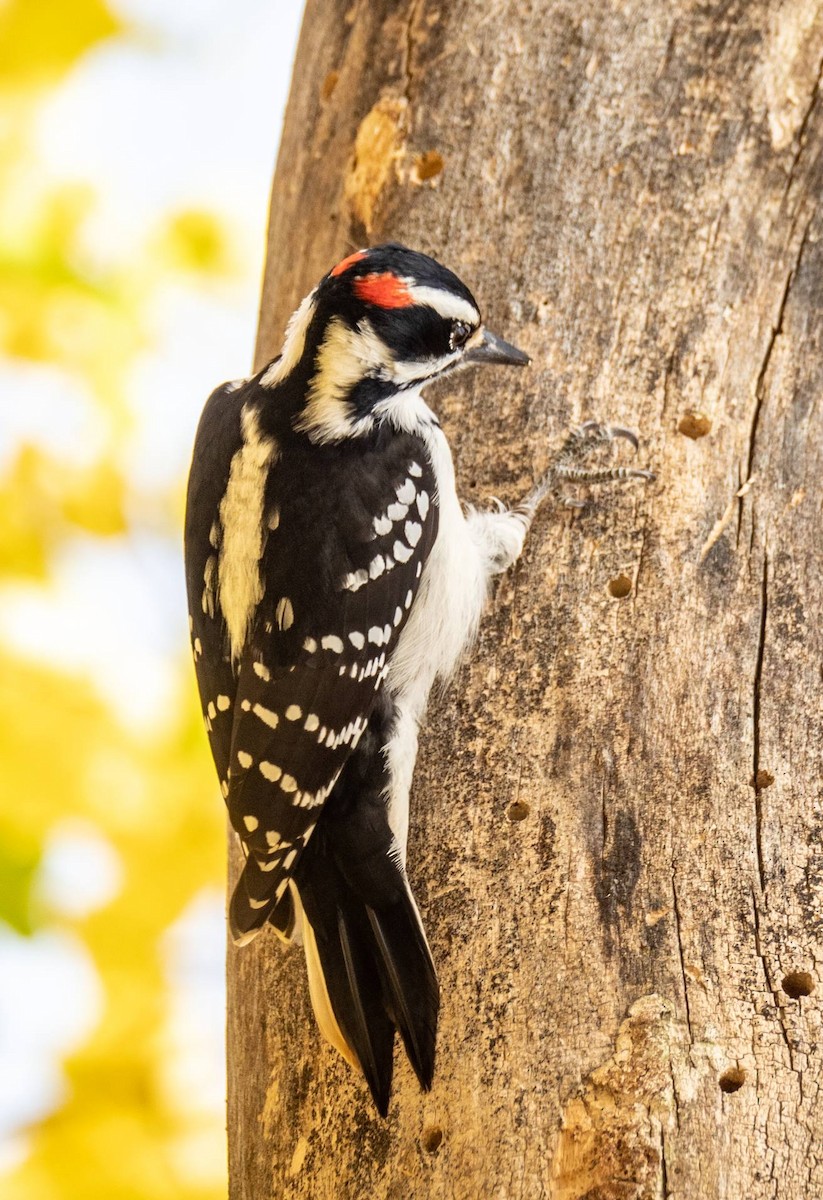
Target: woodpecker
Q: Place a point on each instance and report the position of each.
(333, 576)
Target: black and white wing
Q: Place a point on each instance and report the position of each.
(343, 559)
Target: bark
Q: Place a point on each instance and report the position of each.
(617, 811)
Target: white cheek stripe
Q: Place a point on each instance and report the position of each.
(449, 306)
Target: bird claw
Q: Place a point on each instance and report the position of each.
(599, 431)
(570, 462)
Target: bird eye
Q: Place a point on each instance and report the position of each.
(459, 334)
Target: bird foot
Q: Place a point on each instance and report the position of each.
(572, 462)
(570, 465)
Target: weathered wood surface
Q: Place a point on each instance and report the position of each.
(617, 810)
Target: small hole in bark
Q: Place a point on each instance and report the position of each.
(797, 984)
(427, 165)
(620, 587)
(732, 1080)
(694, 425)
(763, 779)
(432, 1137)
(518, 810)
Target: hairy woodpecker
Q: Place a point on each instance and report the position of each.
(332, 577)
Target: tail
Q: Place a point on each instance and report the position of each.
(369, 964)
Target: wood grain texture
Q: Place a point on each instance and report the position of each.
(633, 193)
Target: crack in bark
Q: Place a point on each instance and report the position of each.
(804, 124)
(407, 67)
(776, 331)
(758, 683)
(664, 1179)
(682, 961)
(758, 945)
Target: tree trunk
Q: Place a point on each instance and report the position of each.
(617, 812)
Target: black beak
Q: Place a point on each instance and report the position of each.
(494, 350)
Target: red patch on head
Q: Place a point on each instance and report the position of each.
(348, 262)
(384, 290)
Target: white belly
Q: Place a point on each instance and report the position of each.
(441, 626)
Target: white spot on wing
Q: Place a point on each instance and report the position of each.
(406, 492)
(266, 716)
(270, 771)
(357, 639)
(382, 525)
(423, 504)
(332, 642)
(251, 823)
(245, 759)
(311, 723)
(355, 580)
(401, 552)
(396, 512)
(412, 531)
(223, 702)
(208, 585)
(262, 671)
(284, 613)
(294, 712)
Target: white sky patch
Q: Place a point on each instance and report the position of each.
(117, 612)
(194, 956)
(44, 405)
(36, 1033)
(190, 117)
(200, 340)
(80, 871)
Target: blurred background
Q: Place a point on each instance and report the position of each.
(138, 144)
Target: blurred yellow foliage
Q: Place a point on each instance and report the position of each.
(44, 499)
(196, 241)
(121, 1133)
(41, 39)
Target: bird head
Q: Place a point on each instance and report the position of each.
(379, 327)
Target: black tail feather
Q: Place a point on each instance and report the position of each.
(375, 962)
(410, 982)
(378, 973)
(365, 1024)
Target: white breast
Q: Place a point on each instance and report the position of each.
(446, 611)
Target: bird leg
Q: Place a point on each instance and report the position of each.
(570, 465)
(502, 532)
